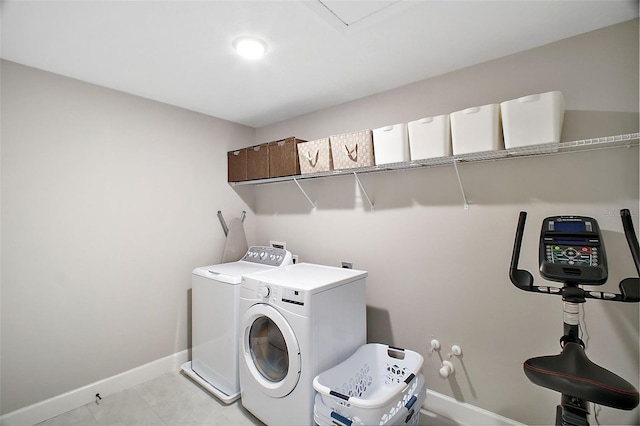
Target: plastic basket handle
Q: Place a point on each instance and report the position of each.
(408, 380)
(339, 395)
(472, 110)
(412, 401)
(530, 98)
(345, 421)
(393, 352)
(406, 419)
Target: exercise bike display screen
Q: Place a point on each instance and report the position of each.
(571, 250)
(570, 226)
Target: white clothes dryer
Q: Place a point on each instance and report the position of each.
(215, 317)
(296, 322)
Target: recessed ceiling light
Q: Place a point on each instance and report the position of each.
(249, 47)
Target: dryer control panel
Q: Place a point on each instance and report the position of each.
(268, 256)
(571, 250)
(293, 296)
(275, 294)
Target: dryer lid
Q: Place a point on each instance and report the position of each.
(309, 277)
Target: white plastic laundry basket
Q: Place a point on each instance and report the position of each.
(408, 415)
(372, 385)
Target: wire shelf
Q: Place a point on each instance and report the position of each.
(605, 142)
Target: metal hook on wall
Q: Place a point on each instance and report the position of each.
(225, 228)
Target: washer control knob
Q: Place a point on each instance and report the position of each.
(264, 292)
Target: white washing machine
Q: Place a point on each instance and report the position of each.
(215, 317)
(296, 322)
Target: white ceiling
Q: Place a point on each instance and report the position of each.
(321, 53)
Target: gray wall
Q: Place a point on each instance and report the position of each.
(436, 270)
(108, 202)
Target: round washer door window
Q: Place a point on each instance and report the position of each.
(268, 349)
(271, 350)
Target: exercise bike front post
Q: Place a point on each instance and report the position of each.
(571, 373)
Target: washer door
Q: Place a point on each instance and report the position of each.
(270, 350)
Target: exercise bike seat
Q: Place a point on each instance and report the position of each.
(572, 373)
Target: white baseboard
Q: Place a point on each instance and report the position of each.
(442, 410)
(438, 409)
(68, 401)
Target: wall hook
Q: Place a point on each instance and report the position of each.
(447, 369)
(434, 345)
(225, 228)
(455, 351)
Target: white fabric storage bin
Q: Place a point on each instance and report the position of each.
(391, 144)
(430, 137)
(533, 120)
(476, 129)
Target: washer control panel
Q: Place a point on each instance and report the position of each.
(571, 250)
(268, 256)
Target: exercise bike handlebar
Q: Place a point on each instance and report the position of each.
(629, 287)
(519, 277)
(630, 233)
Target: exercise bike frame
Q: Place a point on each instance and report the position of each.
(572, 410)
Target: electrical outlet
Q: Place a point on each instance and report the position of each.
(347, 265)
(278, 244)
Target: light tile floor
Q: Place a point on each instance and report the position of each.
(171, 399)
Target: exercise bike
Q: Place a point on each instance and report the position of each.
(572, 252)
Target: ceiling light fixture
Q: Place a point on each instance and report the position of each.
(249, 47)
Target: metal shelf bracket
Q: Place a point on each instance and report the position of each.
(464, 197)
(313, 205)
(364, 191)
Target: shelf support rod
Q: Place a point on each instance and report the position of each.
(364, 191)
(464, 197)
(304, 193)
